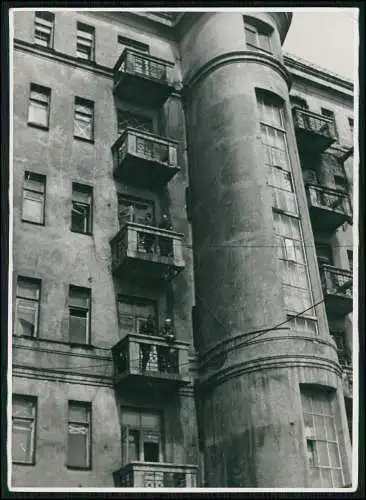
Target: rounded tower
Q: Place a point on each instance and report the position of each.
(263, 368)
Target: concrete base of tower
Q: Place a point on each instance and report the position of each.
(258, 440)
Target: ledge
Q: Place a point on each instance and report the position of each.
(234, 57)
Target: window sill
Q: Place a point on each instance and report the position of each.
(32, 222)
(80, 232)
(72, 467)
(38, 125)
(82, 139)
(49, 49)
(28, 464)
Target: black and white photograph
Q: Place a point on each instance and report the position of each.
(183, 249)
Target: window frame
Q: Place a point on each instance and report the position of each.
(132, 44)
(85, 33)
(124, 442)
(36, 101)
(38, 282)
(328, 113)
(305, 390)
(272, 115)
(135, 302)
(42, 179)
(34, 401)
(88, 191)
(133, 201)
(80, 309)
(40, 20)
(259, 29)
(89, 449)
(132, 115)
(85, 103)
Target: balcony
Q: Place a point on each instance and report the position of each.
(147, 252)
(347, 377)
(142, 79)
(156, 475)
(144, 159)
(314, 133)
(147, 363)
(328, 208)
(337, 289)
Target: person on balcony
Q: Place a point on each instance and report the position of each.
(167, 355)
(149, 238)
(165, 223)
(165, 244)
(147, 328)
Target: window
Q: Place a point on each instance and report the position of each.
(84, 119)
(257, 35)
(350, 259)
(79, 435)
(34, 191)
(23, 429)
(39, 106)
(128, 119)
(324, 253)
(43, 28)
(141, 437)
(81, 213)
(135, 210)
(298, 102)
(85, 41)
(133, 313)
(329, 114)
(28, 293)
(288, 239)
(321, 435)
(341, 183)
(124, 42)
(79, 315)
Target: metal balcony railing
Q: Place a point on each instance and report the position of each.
(157, 250)
(142, 77)
(147, 362)
(135, 62)
(156, 475)
(146, 355)
(329, 199)
(142, 156)
(336, 281)
(314, 122)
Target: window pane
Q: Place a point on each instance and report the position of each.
(326, 475)
(151, 452)
(34, 182)
(22, 407)
(329, 423)
(78, 323)
(77, 446)
(79, 297)
(38, 113)
(26, 317)
(22, 440)
(78, 413)
(27, 288)
(322, 452)
(334, 455)
(150, 421)
(337, 478)
(33, 207)
(131, 418)
(251, 36)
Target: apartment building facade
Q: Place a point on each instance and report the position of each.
(182, 244)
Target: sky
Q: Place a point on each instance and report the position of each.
(325, 39)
